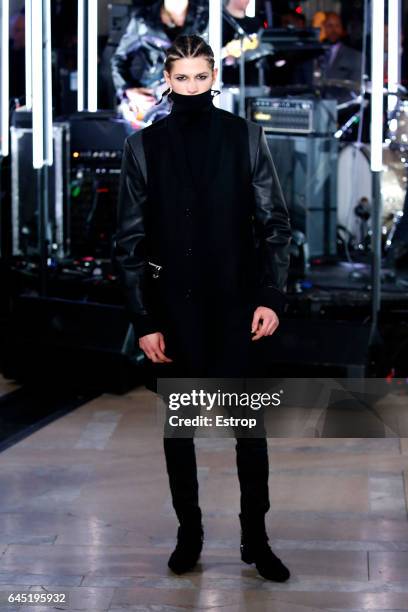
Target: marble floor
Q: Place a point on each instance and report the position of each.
(85, 509)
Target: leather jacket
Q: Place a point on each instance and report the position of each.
(270, 223)
(139, 58)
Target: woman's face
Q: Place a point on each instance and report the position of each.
(190, 76)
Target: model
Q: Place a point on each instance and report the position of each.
(202, 252)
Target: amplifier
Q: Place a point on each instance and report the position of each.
(24, 194)
(307, 169)
(294, 116)
(97, 142)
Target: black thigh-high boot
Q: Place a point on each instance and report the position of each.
(253, 473)
(182, 470)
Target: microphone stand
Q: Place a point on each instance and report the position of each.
(242, 34)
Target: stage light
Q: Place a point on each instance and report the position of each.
(250, 12)
(48, 136)
(93, 55)
(215, 39)
(80, 56)
(394, 44)
(87, 55)
(28, 59)
(41, 75)
(4, 76)
(299, 10)
(377, 84)
(37, 76)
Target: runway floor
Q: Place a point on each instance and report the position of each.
(85, 507)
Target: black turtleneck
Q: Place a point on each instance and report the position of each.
(192, 115)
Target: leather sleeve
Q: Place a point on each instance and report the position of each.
(121, 77)
(129, 253)
(273, 230)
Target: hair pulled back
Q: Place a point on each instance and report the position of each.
(187, 46)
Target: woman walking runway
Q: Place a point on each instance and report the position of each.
(201, 207)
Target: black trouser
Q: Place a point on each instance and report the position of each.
(253, 472)
(227, 352)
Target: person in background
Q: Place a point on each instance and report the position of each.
(339, 62)
(251, 25)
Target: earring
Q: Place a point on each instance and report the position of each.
(169, 90)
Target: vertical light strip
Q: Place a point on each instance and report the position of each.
(394, 44)
(80, 61)
(250, 12)
(215, 39)
(92, 55)
(47, 98)
(377, 83)
(37, 76)
(4, 76)
(28, 60)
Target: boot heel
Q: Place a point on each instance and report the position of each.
(246, 557)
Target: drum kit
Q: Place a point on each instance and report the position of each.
(354, 194)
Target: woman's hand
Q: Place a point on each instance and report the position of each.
(153, 347)
(269, 323)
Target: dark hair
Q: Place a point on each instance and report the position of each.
(187, 46)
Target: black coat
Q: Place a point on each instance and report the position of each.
(233, 257)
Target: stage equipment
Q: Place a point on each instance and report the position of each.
(300, 138)
(87, 55)
(292, 39)
(97, 142)
(241, 36)
(307, 169)
(355, 183)
(24, 199)
(294, 116)
(398, 127)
